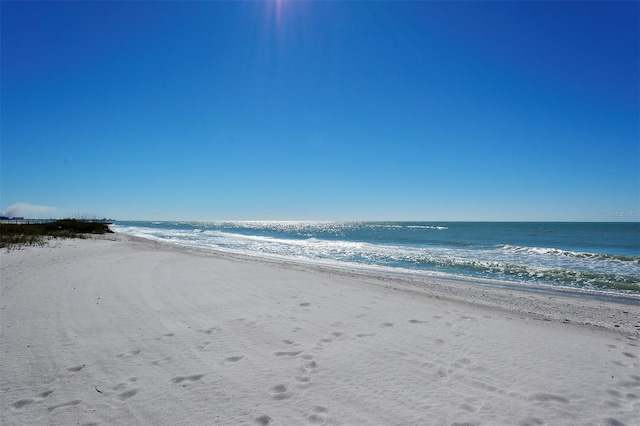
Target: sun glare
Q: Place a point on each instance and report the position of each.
(279, 10)
(274, 10)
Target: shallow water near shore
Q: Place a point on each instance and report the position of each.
(596, 257)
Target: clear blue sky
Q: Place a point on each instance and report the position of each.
(321, 110)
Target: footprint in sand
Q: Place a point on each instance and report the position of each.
(165, 336)
(129, 354)
(279, 392)
(232, 359)
(64, 405)
(161, 361)
(21, 403)
(304, 382)
(263, 420)
(119, 386)
(610, 421)
(318, 417)
(308, 368)
(193, 378)
(244, 320)
(127, 394)
(285, 353)
(76, 369)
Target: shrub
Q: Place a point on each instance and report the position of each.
(18, 234)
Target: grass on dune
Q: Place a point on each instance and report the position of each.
(18, 234)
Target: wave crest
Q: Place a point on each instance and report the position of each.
(569, 253)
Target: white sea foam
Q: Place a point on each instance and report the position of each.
(569, 253)
(439, 228)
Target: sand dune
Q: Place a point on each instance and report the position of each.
(128, 332)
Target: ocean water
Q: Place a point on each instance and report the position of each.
(600, 258)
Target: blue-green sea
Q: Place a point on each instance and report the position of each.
(600, 258)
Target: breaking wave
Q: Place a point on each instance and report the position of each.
(569, 253)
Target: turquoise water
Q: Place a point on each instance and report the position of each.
(598, 257)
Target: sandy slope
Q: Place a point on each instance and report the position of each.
(124, 332)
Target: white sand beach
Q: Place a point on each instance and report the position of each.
(125, 332)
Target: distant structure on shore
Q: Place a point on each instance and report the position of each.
(21, 219)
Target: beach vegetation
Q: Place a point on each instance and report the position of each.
(13, 235)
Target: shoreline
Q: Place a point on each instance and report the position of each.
(557, 304)
(122, 330)
(551, 257)
(545, 287)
